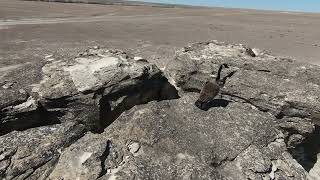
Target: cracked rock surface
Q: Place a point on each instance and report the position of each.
(107, 115)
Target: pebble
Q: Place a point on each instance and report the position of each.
(22, 91)
(134, 147)
(137, 58)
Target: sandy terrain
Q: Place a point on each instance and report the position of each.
(31, 30)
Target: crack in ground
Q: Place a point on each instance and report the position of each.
(148, 91)
(103, 158)
(306, 152)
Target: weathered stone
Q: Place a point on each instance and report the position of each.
(177, 140)
(12, 97)
(23, 153)
(134, 147)
(264, 125)
(97, 86)
(287, 89)
(18, 111)
(280, 86)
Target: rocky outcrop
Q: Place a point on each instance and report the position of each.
(83, 94)
(176, 140)
(32, 154)
(279, 86)
(106, 114)
(92, 89)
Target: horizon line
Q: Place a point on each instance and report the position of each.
(231, 7)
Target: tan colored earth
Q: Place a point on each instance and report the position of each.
(29, 31)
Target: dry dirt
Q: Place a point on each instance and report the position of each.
(31, 30)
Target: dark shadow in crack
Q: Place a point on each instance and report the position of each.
(103, 158)
(22, 121)
(113, 105)
(306, 152)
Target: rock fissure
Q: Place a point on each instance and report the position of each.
(103, 158)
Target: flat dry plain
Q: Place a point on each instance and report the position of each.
(31, 30)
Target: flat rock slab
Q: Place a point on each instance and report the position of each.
(176, 140)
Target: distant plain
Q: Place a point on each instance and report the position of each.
(31, 30)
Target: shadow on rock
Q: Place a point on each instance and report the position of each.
(27, 120)
(212, 104)
(113, 105)
(306, 152)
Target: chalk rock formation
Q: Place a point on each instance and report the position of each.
(179, 141)
(108, 115)
(83, 94)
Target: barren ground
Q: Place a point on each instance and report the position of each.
(31, 30)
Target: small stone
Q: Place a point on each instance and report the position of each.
(134, 147)
(22, 91)
(256, 51)
(250, 52)
(295, 140)
(137, 58)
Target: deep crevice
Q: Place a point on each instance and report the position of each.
(26, 120)
(306, 152)
(61, 102)
(113, 105)
(103, 158)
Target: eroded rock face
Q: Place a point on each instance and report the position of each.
(92, 89)
(31, 154)
(19, 111)
(97, 86)
(107, 115)
(83, 94)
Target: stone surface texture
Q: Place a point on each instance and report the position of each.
(106, 114)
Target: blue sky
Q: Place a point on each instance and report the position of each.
(284, 5)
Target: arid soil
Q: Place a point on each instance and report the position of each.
(72, 112)
(31, 30)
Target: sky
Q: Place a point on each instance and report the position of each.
(282, 5)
